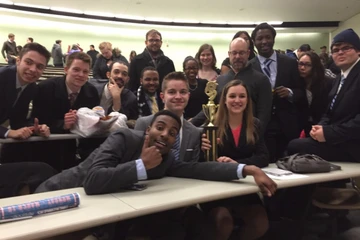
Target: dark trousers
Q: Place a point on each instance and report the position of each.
(14, 176)
(60, 65)
(324, 150)
(11, 60)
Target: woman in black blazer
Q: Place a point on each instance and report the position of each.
(239, 141)
(318, 87)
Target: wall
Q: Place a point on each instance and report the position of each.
(177, 42)
(353, 23)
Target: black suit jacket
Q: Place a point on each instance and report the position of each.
(144, 109)
(341, 126)
(112, 167)
(164, 65)
(290, 115)
(17, 113)
(256, 154)
(52, 102)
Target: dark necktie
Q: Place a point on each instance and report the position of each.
(339, 88)
(72, 98)
(176, 148)
(18, 93)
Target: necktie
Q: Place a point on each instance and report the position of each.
(72, 98)
(176, 148)
(339, 88)
(18, 93)
(154, 106)
(267, 70)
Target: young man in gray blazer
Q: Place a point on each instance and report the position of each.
(175, 95)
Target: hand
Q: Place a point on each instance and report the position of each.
(282, 92)
(317, 133)
(114, 89)
(205, 143)
(150, 156)
(6, 59)
(267, 185)
(42, 130)
(22, 133)
(70, 119)
(226, 160)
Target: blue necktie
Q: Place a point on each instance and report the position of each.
(176, 148)
(267, 68)
(339, 88)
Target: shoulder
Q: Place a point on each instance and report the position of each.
(146, 119)
(129, 95)
(127, 134)
(7, 71)
(195, 130)
(51, 82)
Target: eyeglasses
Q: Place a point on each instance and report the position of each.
(154, 40)
(343, 49)
(241, 53)
(303, 64)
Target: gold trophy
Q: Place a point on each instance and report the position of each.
(210, 130)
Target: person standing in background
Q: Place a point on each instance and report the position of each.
(207, 63)
(9, 51)
(93, 54)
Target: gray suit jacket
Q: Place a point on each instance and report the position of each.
(191, 138)
(112, 167)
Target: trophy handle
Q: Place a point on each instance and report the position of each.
(205, 110)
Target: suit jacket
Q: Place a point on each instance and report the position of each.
(52, 102)
(341, 125)
(112, 167)
(143, 106)
(288, 114)
(163, 65)
(100, 67)
(17, 113)
(256, 154)
(191, 138)
(128, 99)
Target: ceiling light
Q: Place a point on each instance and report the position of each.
(6, 2)
(68, 10)
(152, 19)
(31, 5)
(101, 14)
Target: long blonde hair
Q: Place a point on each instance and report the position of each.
(222, 115)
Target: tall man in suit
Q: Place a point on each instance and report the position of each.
(337, 136)
(148, 97)
(151, 56)
(289, 98)
(175, 95)
(56, 104)
(114, 96)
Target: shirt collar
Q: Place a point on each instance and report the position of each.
(69, 90)
(346, 73)
(18, 84)
(262, 59)
(107, 92)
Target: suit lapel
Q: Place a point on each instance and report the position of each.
(61, 95)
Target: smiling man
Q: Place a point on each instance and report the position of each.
(114, 97)
(56, 104)
(175, 95)
(151, 56)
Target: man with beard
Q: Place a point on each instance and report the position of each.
(289, 101)
(114, 97)
(151, 56)
(258, 84)
(148, 98)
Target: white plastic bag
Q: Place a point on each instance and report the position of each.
(91, 122)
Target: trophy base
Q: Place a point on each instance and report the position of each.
(211, 155)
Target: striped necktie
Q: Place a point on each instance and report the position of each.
(267, 70)
(72, 98)
(154, 106)
(176, 148)
(339, 88)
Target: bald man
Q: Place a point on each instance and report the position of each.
(258, 84)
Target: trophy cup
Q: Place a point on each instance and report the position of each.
(209, 110)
